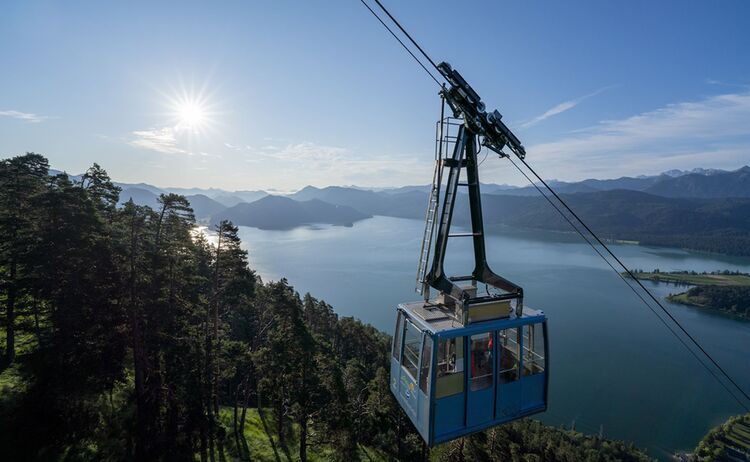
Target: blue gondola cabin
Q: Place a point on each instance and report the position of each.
(455, 378)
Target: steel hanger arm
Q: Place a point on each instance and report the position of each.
(467, 104)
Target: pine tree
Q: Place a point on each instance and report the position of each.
(22, 178)
(74, 271)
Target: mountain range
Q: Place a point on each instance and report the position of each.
(697, 183)
(674, 183)
(703, 209)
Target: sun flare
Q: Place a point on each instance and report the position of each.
(192, 115)
(191, 111)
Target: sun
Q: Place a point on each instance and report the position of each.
(190, 111)
(191, 114)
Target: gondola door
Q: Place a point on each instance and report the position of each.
(480, 400)
(508, 402)
(412, 345)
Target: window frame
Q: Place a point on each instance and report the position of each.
(445, 383)
(536, 355)
(425, 363)
(415, 375)
(398, 337)
(491, 362)
(503, 350)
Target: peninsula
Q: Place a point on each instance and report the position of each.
(725, 291)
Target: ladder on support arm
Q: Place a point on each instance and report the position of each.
(422, 287)
(457, 150)
(444, 139)
(429, 229)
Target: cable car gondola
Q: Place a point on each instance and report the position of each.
(462, 362)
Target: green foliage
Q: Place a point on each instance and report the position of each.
(711, 225)
(22, 179)
(530, 440)
(733, 300)
(725, 291)
(263, 445)
(729, 441)
(72, 270)
(716, 278)
(138, 340)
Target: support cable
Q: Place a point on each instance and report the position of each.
(395, 21)
(648, 292)
(401, 42)
(630, 286)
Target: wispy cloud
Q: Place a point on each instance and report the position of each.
(562, 107)
(726, 84)
(25, 116)
(209, 154)
(709, 132)
(321, 165)
(300, 152)
(158, 139)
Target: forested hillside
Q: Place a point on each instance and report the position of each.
(734, 300)
(724, 291)
(277, 212)
(714, 225)
(129, 337)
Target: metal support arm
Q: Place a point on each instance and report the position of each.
(465, 156)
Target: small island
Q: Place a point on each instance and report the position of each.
(725, 291)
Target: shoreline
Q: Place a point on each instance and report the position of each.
(724, 292)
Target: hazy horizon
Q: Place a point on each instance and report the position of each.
(364, 186)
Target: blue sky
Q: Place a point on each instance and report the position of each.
(316, 92)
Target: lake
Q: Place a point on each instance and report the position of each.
(613, 365)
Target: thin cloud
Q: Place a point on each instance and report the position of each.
(301, 152)
(712, 131)
(25, 116)
(321, 165)
(562, 107)
(726, 84)
(158, 139)
(208, 154)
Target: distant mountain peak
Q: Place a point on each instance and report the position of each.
(673, 173)
(696, 171)
(273, 199)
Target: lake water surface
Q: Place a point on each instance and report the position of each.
(613, 365)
